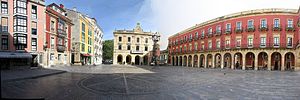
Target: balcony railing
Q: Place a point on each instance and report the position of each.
(202, 36)
(136, 51)
(196, 37)
(61, 48)
(61, 33)
(209, 34)
(238, 30)
(290, 28)
(227, 31)
(250, 28)
(218, 32)
(263, 27)
(276, 27)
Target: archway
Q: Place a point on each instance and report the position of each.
(177, 61)
(128, 59)
(238, 60)
(137, 60)
(202, 61)
(227, 60)
(180, 61)
(218, 58)
(145, 60)
(184, 61)
(173, 61)
(209, 61)
(250, 58)
(190, 61)
(289, 61)
(262, 61)
(276, 61)
(195, 60)
(119, 59)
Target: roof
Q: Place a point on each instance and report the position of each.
(243, 13)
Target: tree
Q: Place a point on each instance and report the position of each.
(108, 48)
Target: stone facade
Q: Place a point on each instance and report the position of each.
(132, 46)
(256, 39)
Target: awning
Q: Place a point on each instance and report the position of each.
(86, 54)
(15, 55)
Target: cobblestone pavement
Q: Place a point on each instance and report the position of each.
(162, 83)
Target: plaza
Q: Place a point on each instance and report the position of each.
(156, 83)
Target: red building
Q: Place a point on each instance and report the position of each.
(256, 39)
(58, 36)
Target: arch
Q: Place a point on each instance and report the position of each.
(184, 61)
(145, 60)
(218, 59)
(289, 59)
(180, 61)
(195, 60)
(238, 60)
(190, 61)
(227, 60)
(202, 61)
(276, 61)
(250, 58)
(262, 61)
(119, 59)
(128, 59)
(173, 63)
(137, 60)
(209, 61)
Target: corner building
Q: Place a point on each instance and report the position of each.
(263, 39)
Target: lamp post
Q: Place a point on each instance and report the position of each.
(155, 38)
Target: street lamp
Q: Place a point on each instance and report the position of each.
(155, 38)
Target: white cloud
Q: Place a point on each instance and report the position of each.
(173, 16)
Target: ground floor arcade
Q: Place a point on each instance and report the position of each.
(271, 59)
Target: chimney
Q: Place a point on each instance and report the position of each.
(61, 6)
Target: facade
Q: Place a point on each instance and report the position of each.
(98, 40)
(263, 39)
(57, 36)
(163, 57)
(132, 46)
(21, 32)
(82, 38)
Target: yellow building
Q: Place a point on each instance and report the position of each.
(82, 38)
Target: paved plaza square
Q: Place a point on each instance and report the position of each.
(160, 83)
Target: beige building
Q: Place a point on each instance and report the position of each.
(132, 46)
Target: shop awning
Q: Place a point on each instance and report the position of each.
(15, 55)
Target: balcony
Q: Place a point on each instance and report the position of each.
(61, 33)
(209, 34)
(228, 31)
(250, 28)
(196, 38)
(276, 27)
(61, 48)
(136, 52)
(263, 28)
(290, 28)
(202, 36)
(238, 30)
(218, 32)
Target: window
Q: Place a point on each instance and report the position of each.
(137, 48)
(33, 28)
(146, 41)
(129, 39)
(276, 41)
(227, 43)
(202, 46)
(120, 39)
(202, 34)
(276, 23)
(82, 47)
(290, 23)
(238, 25)
(128, 47)
(33, 44)
(120, 47)
(52, 42)
(20, 41)
(262, 41)
(209, 30)
(218, 44)
(218, 29)
(4, 8)
(250, 24)
(228, 27)
(196, 46)
(263, 23)
(289, 41)
(196, 35)
(60, 41)
(250, 42)
(59, 57)
(20, 23)
(138, 40)
(4, 24)
(4, 42)
(191, 36)
(33, 12)
(20, 7)
(146, 48)
(238, 42)
(209, 45)
(52, 26)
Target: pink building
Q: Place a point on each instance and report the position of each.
(21, 32)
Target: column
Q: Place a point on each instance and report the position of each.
(198, 61)
(232, 62)
(282, 63)
(222, 61)
(204, 60)
(192, 62)
(269, 63)
(213, 61)
(256, 62)
(244, 63)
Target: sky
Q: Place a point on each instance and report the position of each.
(167, 17)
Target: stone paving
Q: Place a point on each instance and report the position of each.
(162, 83)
